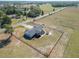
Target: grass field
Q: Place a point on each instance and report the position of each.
(72, 21)
(72, 49)
(46, 8)
(14, 21)
(67, 18)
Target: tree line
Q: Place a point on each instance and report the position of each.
(33, 11)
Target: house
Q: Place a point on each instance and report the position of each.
(35, 32)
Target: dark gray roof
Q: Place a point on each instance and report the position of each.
(32, 32)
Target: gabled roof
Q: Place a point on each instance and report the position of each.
(37, 29)
(30, 33)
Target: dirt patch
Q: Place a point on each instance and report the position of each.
(3, 36)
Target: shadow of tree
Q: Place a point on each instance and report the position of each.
(5, 42)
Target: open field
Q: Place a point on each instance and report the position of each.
(64, 18)
(67, 18)
(72, 49)
(16, 48)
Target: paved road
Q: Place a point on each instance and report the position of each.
(49, 13)
(37, 18)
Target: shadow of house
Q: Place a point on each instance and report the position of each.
(5, 42)
(36, 32)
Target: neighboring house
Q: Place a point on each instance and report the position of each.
(36, 32)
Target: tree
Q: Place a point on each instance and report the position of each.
(0, 21)
(18, 14)
(8, 28)
(34, 11)
(1, 17)
(25, 12)
(54, 9)
(42, 13)
(26, 15)
(1, 13)
(5, 20)
(10, 10)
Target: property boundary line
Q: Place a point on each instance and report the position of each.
(55, 44)
(46, 55)
(30, 46)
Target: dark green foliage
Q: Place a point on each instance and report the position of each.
(54, 9)
(24, 13)
(42, 13)
(8, 28)
(1, 13)
(34, 11)
(64, 4)
(10, 10)
(5, 20)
